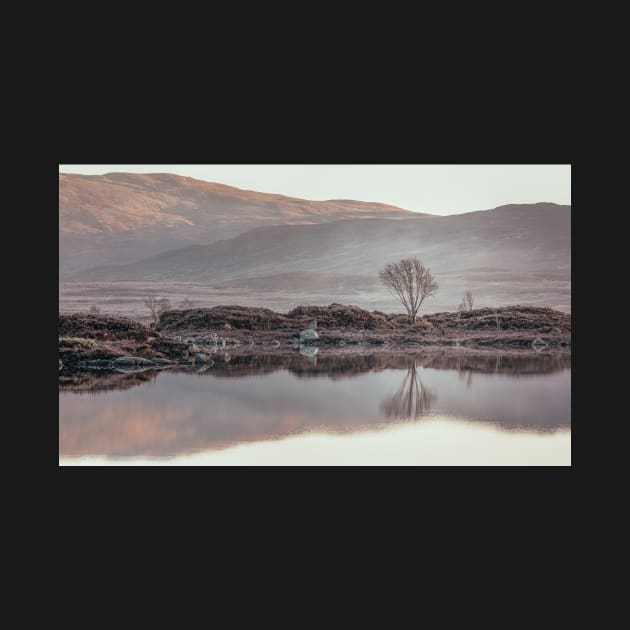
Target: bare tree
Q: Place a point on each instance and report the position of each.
(163, 305)
(411, 282)
(157, 307)
(469, 300)
(186, 304)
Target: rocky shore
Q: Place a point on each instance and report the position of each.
(196, 337)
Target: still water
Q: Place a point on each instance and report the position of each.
(327, 409)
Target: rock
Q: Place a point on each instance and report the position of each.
(200, 358)
(539, 342)
(132, 362)
(341, 342)
(96, 364)
(60, 365)
(309, 352)
(308, 335)
(312, 325)
(194, 348)
(556, 331)
(227, 327)
(275, 343)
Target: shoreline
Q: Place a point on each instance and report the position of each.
(198, 336)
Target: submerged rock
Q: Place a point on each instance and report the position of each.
(132, 362)
(538, 343)
(162, 361)
(96, 364)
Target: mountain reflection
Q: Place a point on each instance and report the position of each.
(94, 382)
(258, 397)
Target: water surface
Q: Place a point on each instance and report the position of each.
(330, 408)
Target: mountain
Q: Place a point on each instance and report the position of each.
(124, 217)
(510, 254)
(514, 238)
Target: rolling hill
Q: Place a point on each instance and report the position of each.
(124, 217)
(516, 238)
(507, 255)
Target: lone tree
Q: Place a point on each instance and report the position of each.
(411, 282)
(467, 303)
(469, 300)
(157, 307)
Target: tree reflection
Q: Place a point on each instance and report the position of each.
(412, 399)
(465, 375)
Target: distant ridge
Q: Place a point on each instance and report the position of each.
(513, 238)
(123, 217)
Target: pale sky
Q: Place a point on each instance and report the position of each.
(437, 189)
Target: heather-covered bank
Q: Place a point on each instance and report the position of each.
(194, 336)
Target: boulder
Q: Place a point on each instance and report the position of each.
(132, 362)
(308, 335)
(96, 364)
(538, 343)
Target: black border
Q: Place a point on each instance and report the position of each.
(343, 133)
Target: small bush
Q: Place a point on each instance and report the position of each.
(77, 342)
